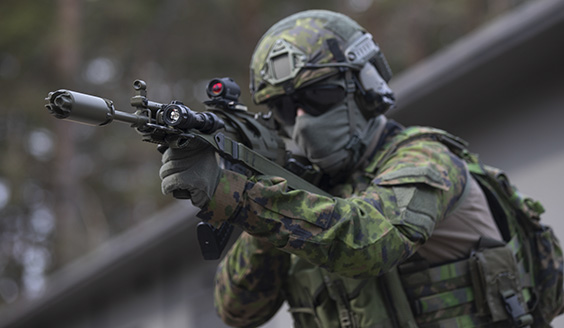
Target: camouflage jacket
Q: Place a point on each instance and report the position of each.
(368, 227)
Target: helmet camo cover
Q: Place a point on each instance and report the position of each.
(294, 42)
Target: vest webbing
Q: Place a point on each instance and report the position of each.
(448, 291)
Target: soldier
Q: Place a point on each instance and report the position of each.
(400, 242)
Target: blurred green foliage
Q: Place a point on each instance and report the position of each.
(65, 188)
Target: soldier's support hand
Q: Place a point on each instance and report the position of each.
(190, 166)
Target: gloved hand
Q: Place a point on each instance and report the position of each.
(191, 166)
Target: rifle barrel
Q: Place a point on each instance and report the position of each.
(87, 109)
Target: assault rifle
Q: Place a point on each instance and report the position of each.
(247, 143)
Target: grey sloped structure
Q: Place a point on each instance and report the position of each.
(500, 88)
(151, 276)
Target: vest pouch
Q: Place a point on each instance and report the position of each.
(497, 286)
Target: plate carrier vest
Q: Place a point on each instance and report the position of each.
(516, 283)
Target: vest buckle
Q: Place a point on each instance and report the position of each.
(515, 310)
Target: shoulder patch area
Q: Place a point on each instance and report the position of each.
(414, 174)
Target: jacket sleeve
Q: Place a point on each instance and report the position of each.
(249, 281)
(360, 236)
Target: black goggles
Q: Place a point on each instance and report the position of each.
(314, 100)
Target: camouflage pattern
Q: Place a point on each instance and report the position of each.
(446, 296)
(308, 31)
(362, 232)
(249, 281)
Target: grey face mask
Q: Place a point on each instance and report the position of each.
(324, 138)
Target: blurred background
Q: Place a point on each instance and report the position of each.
(67, 189)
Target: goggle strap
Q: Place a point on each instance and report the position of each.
(333, 46)
(289, 88)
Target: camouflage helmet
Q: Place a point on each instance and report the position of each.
(308, 47)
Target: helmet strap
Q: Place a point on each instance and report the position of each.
(354, 146)
(338, 54)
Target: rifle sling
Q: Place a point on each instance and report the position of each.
(232, 150)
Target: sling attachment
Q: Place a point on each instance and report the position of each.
(232, 148)
(338, 293)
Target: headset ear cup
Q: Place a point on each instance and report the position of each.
(367, 107)
(371, 104)
(373, 95)
(381, 64)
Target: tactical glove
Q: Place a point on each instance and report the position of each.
(190, 170)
